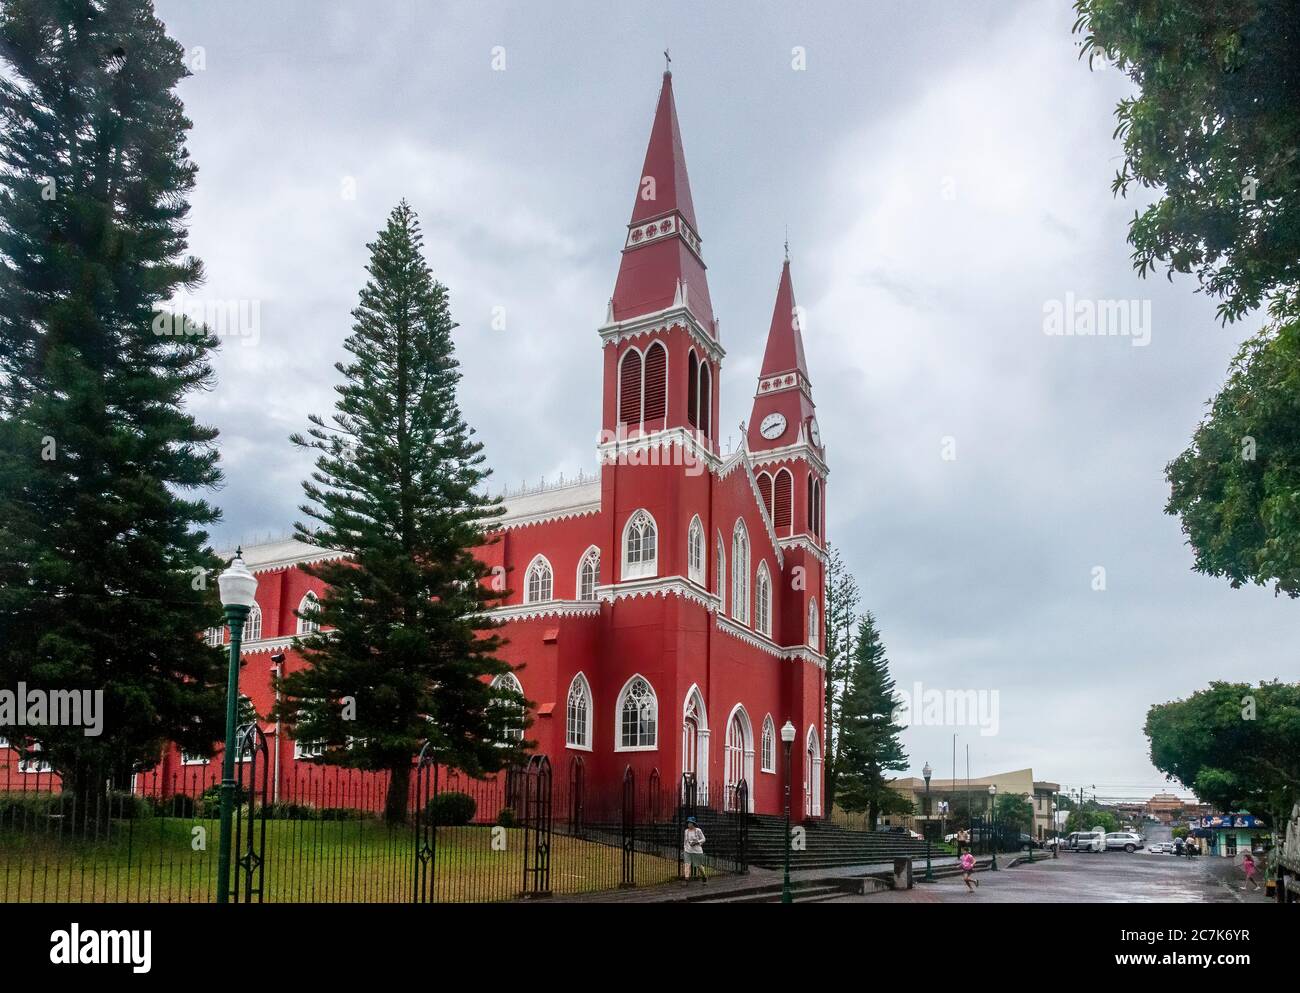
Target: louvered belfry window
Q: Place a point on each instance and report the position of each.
(629, 388)
(692, 390)
(781, 502)
(656, 383)
(765, 491)
(706, 399)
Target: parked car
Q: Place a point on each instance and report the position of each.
(1160, 848)
(1089, 841)
(1027, 842)
(1127, 840)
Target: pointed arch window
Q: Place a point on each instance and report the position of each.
(782, 498)
(695, 551)
(767, 751)
(638, 717)
(577, 714)
(253, 626)
(539, 581)
(706, 400)
(740, 573)
(216, 636)
(814, 626)
(589, 574)
(629, 387)
(309, 614)
(656, 382)
(814, 506)
(509, 683)
(720, 576)
(640, 546)
(692, 390)
(763, 601)
(765, 490)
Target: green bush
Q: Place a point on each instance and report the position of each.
(176, 805)
(340, 814)
(450, 809)
(283, 811)
(125, 806)
(209, 803)
(508, 818)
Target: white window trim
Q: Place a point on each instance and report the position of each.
(814, 625)
(721, 571)
(696, 572)
(580, 680)
(539, 561)
(618, 717)
(771, 493)
(740, 584)
(305, 626)
(518, 687)
(248, 635)
(769, 734)
(593, 552)
(639, 570)
(618, 401)
(193, 761)
(763, 589)
(746, 750)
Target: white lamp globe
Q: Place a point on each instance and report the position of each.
(237, 585)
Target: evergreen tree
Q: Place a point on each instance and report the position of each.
(104, 565)
(870, 737)
(842, 599)
(407, 653)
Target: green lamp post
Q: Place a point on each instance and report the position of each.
(238, 589)
(929, 872)
(993, 835)
(787, 742)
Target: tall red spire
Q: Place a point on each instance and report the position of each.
(661, 264)
(784, 340)
(783, 412)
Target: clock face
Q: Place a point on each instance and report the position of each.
(816, 433)
(773, 426)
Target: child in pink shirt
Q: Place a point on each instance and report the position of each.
(967, 871)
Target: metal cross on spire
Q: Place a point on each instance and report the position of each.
(668, 61)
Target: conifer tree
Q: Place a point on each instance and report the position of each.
(406, 652)
(104, 566)
(870, 736)
(842, 600)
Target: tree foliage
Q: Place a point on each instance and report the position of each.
(407, 652)
(1215, 127)
(104, 564)
(841, 615)
(1236, 745)
(871, 747)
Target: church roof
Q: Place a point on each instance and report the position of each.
(784, 351)
(661, 264)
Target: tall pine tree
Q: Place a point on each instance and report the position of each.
(408, 653)
(103, 553)
(870, 737)
(842, 600)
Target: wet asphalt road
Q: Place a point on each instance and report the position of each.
(1086, 877)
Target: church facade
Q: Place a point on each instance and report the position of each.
(665, 614)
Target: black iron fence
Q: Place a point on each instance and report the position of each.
(318, 833)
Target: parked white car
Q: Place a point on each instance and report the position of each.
(1089, 841)
(1127, 840)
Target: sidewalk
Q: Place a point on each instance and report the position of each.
(755, 880)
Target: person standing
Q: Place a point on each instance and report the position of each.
(693, 849)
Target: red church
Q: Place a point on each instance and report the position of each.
(667, 613)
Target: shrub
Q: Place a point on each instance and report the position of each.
(450, 809)
(209, 804)
(340, 814)
(176, 805)
(127, 806)
(507, 818)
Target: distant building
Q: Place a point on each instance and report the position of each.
(929, 814)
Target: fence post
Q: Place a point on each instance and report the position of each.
(250, 862)
(426, 833)
(629, 828)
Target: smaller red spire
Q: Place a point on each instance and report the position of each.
(784, 340)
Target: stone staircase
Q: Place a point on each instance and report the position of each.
(827, 846)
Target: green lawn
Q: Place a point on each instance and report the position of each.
(156, 860)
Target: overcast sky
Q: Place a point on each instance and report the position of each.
(944, 169)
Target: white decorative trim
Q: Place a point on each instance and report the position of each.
(663, 586)
(550, 608)
(791, 379)
(563, 513)
(268, 644)
(799, 653)
(651, 443)
(792, 453)
(661, 322)
(804, 542)
(667, 225)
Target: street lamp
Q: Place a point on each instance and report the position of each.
(238, 589)
(787, 741)
(993, 792)
(929, 872)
